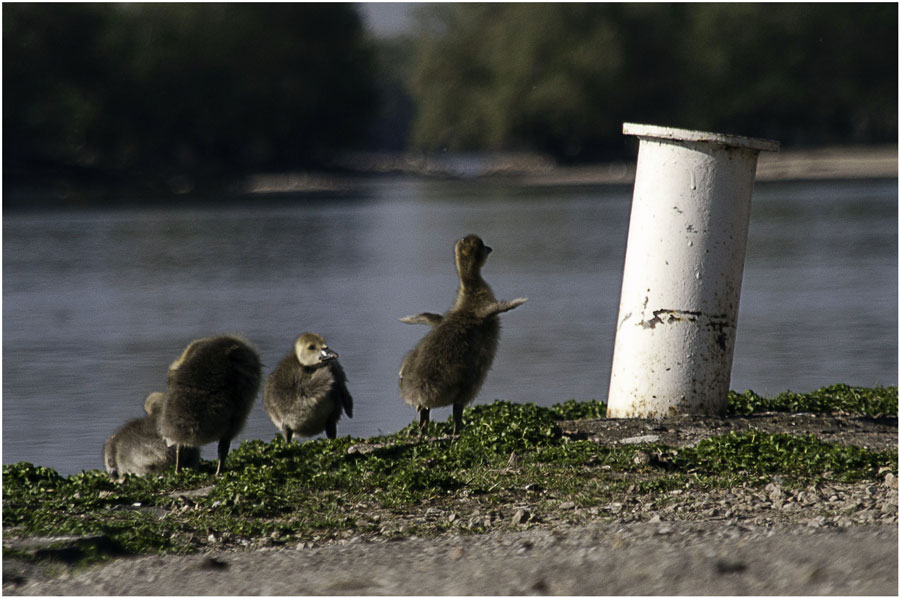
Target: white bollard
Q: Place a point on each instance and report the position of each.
(683, 267)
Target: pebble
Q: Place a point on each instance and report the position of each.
(647, 438)
(816, 521)
(641, 458)
(521, 516)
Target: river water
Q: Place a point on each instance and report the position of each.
(98, 302)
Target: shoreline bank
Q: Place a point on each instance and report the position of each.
(525, 169)
(743, 537)
(826, 163)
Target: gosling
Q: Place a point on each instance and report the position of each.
(306, 393)
(137, 447)
(209, 394)
(450, 363)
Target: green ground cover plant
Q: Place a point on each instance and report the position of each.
(508, 454)
(837, 398)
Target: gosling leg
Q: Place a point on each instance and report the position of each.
(224, 446)
(331, 430)
(424, 417)
(287, 433)
(457, 418)
(177, 457)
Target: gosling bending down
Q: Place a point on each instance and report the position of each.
(306, 393)
(449, 365)
(209, 393)
(137, 447)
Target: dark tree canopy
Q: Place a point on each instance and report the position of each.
(200, 89)
(211, 91)
(562, 77)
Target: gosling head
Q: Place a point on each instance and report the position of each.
(153, 403)
(471, 254)
(311, 350)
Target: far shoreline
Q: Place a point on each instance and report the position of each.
(74, 189)
(527, 169)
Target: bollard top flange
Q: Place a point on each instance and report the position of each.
(656, 132)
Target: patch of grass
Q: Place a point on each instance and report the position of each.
(765, 455)
(272, 492)
(571, 409)
(838, 398)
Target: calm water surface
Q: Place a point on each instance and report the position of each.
(97, 303)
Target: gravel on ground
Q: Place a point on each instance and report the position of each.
(614, 558)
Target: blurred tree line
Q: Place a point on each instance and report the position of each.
(561, 78)
(206, 90)
(213, 90)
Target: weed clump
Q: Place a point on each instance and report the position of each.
(838, 398)
(796, 457)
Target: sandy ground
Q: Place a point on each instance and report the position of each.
(662, 558)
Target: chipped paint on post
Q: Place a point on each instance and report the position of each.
(683, 268)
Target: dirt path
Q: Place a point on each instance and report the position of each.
(607, 559)
(875, 433)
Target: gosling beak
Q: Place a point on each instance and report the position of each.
(327, 355)
(488, 249)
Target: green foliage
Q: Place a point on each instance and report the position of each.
(838, 398)
(273, 491)
(201, 90)
(498, 429)
(561, 78)
(572, 409)
(211, 91)
(26, 477)
(803, 457)
(390, 128)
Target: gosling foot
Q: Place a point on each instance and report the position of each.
(287, 433)
(224, 446)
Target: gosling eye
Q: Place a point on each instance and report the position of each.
(311, 347)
